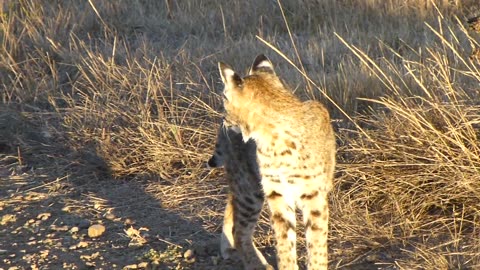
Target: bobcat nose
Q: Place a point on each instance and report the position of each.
(212, 163)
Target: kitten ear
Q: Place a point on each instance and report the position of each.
(228, 75)
(261, 64)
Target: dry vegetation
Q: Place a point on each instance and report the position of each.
(111, 106)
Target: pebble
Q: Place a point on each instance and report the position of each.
(96, 230)
(129, 221)
(189, 256)
(82, 244)
(130, 266)
(110, 216)
(74, 229)
(143, 265)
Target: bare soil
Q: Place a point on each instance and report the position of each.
(44, 225)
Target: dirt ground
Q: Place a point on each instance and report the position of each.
(45, 223)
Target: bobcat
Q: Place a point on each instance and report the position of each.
(245, 199)
(295, 154)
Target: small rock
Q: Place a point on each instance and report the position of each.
(129, 267)
(74, 229)
(30, 221)
(96, 230)
(129, 221)
(143, 265)
(82, 244)
(44, 216)
(189, 256)
(110, 216)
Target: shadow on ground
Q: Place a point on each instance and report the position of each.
(51, 194)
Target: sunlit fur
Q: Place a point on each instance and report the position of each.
(295, 153)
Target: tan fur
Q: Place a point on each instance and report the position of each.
(295, 151)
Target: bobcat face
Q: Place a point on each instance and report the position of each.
(222, 145)
(218, 158)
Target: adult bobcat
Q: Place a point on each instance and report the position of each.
(295, 147)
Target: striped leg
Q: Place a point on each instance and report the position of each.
(246, 211)
(315, 217)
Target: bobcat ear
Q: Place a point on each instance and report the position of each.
(261, 64)
(228, 75)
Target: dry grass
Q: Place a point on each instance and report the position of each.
(103, 89)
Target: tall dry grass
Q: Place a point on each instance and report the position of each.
(120, 89)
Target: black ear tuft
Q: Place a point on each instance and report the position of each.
(261, 64)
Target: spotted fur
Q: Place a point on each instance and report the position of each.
(245, 199)
(295, 152)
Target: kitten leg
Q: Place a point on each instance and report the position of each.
(227, 244)
(246, 211)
